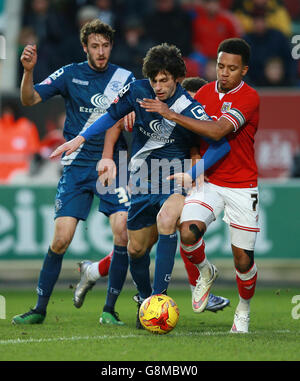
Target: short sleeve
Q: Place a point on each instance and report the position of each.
(55, 84)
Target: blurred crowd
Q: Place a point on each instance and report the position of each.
(195, 26)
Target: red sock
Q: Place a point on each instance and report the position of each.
(246, 282)
(104, 264)
(192, 270)
(194, 253)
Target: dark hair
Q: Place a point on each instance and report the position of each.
(236, 46)
(163, 58)
(98, 27)
(193, 83)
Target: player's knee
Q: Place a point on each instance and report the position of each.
(166, 221)
(191, 232)
(243, 259)
(120, 231)
(60, 244)
(121, 238)
(135, 250)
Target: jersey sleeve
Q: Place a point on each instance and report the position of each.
(242, 110)
(123, 104)
(55, 84)
(196, 111)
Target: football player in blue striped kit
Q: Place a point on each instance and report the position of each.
(88, 88)
(154, 139)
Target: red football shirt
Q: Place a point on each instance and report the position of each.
(241, 107)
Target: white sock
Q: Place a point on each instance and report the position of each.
(205, 269)
(93, 272)
(244, 305)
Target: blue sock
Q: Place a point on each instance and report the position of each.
(164, 262)
(139, 268)
(48, 277)
(116, 276)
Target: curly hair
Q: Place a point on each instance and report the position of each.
(98, 27)
(164, 58)
(236, 46)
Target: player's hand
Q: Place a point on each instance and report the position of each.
(155, 105)
(129, 121)
(182, 179)
(68, 147)
(29, 57)
(107, 171)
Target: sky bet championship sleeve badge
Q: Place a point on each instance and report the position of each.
(226, 106)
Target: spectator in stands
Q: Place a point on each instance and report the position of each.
(70, 47)
(211, 25)
(47, 28)
(277, 16)
(19, 141)
(130, 51)
(267, 43)
(47, 24)
(170, 23)
(274, 74)
(134, 8)
(209, 72)
(106, 12)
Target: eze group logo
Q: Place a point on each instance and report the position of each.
(100, 100)
(161, 127)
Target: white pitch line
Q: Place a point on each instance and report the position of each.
(104, 337)
(72, 338)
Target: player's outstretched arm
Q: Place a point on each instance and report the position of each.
(99, 126)
(68, 147)
(29, 96)
(215, 130)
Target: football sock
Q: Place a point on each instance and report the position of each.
(164, 262)
(244, 305)
(246, 283)
(104, 264)
(196, 254)
(139, 268)
(116, 277)
(47, 279)
(99, 269)
(191, 269)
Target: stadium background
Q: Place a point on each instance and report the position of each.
(26, 207)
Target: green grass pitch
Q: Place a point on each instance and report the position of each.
(69, 334)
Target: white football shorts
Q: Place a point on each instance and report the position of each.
(240, 206)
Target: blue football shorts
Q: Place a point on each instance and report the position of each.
(77, 188)
(144, 209)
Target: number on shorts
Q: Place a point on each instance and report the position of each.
(122, 195)
(255, 201)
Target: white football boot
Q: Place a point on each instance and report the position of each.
(201, 291)
(240, 322)
(84, 285)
